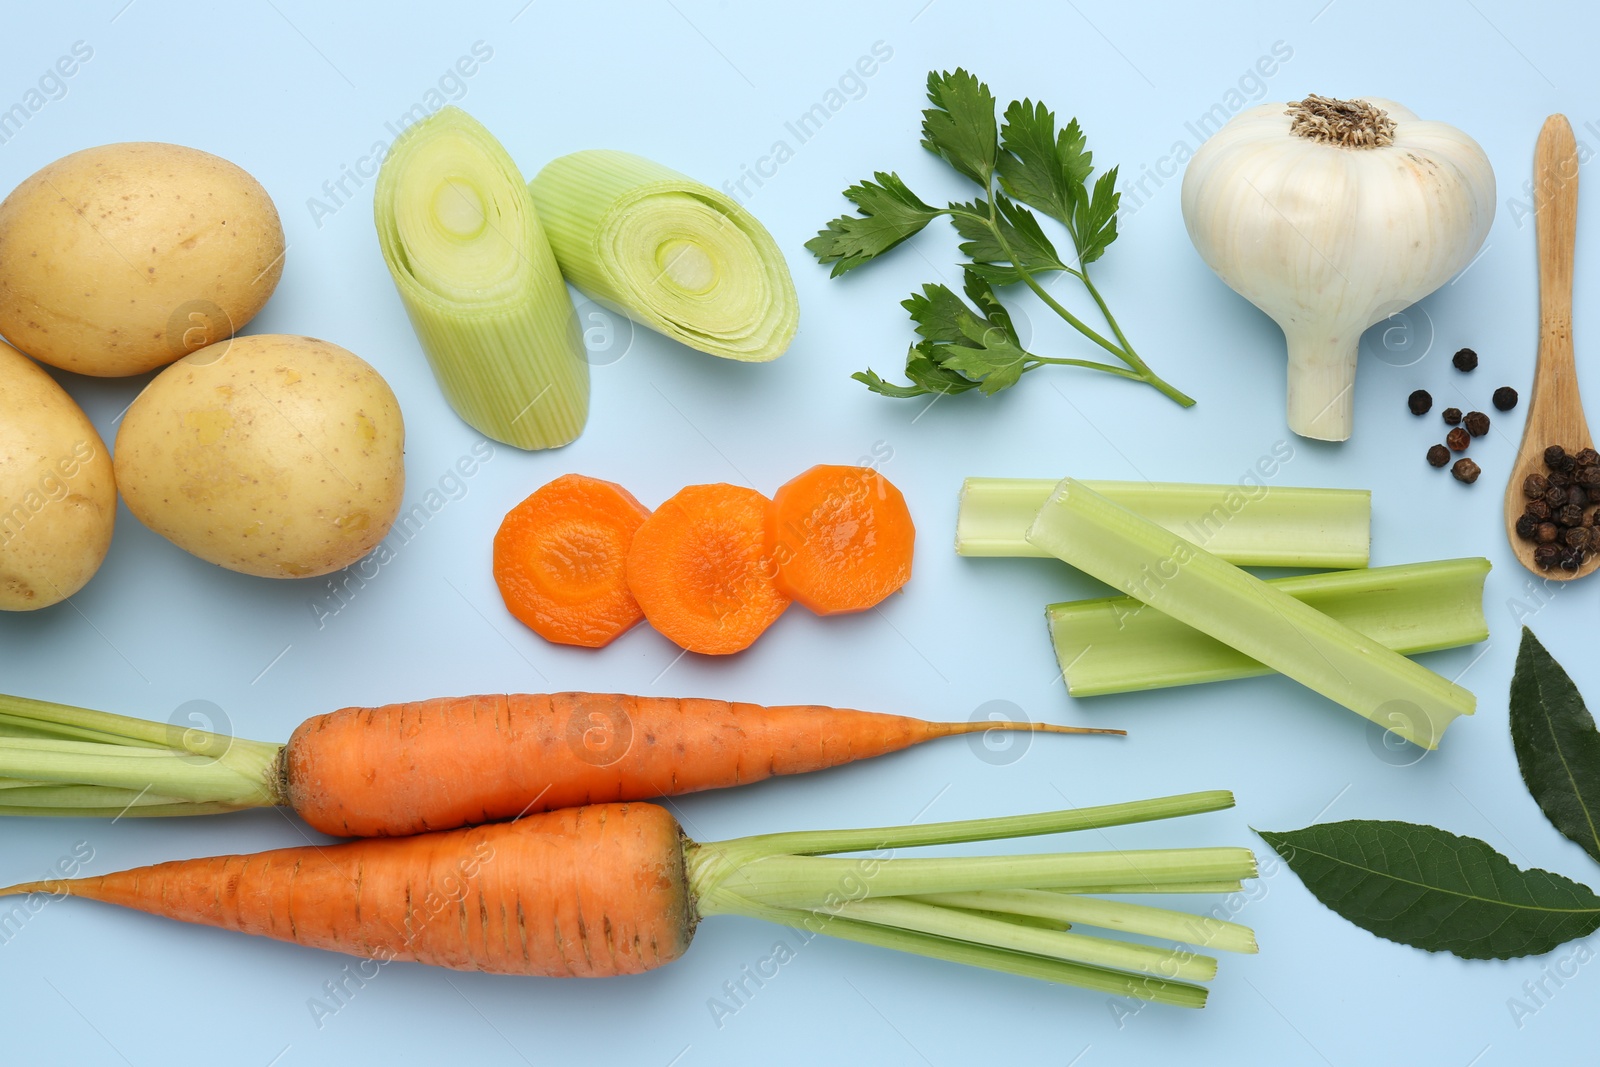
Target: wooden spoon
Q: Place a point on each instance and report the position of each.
(1555, 412)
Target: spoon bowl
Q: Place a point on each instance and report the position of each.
(1555, 411)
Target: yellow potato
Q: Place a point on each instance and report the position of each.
(269, 454)
(57, 497)
(120, 259)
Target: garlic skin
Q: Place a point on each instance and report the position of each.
(1334, 229)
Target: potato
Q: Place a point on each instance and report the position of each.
(120, 259)
(271, 455)
(56, 489)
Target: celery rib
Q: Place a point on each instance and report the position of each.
(1183, 580)
(1118, 645)
(1247, 525)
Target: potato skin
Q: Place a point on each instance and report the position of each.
(119, 259)
(58, 501)
(270, 454)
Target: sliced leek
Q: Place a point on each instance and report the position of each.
(668, 252)
(1247, 525)
(474, 269)
(1175, 576)
(1118, 645)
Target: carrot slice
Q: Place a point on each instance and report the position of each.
(700, 569)
(560, 560)
(842, 538)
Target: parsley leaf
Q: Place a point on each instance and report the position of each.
(962, 348)
(1027, 241)
(960, 126)
(890, 213)
(1040, 167)
(1094, 220)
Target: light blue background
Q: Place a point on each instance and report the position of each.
(295, 90)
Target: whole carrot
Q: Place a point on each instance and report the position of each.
(613, 889)
(438, 764)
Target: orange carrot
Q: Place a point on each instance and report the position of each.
(842, 538)
(700, 570)
(586, 892)
(615, 889)
(437, 764)
(560, 560)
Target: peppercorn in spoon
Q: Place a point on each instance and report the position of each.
(1557, 471)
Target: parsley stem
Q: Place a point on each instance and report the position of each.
(1128, 354)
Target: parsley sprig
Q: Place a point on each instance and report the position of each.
(1022, 165)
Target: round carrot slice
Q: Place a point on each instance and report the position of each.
(560, 560)
(842, 538)
(700, 569)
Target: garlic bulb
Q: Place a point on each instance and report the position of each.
(1330, 216)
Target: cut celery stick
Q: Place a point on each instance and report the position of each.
(1118, 645)
(1247, 525)
(1175, 576)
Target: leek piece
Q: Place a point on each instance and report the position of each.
(1175, 576)
(1247, 525)
(1118, 645)
(475, 272)
(668, 252)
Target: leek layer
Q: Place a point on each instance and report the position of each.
(668, 252)
(474, 269)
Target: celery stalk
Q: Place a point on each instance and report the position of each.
(668, 252)
(474, 270)
(1118, 645)
(1175, 576)
(1247, 525)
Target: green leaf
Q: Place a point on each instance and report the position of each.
(1094, 219)
(870, 379)
(980, 243)
(936, 311)
(990, 356)
(1040, 167)
(979, 292)
(890, 213)
(1557, 745)
(1422, 886)
(928, 376)
(960, 126)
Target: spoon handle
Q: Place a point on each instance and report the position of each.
(1555, 183)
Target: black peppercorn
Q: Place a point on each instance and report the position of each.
(1451, 416)
(1553, 457)
(1577, 495)
(1547, 556)
(1569, 515)
(1505, 398)
(1539, 510)
(1586, 457)
(1588, 477)
(1559, 479)
(1546, 533)
(1458, 439)
(1476, 422)
(1438, 456)
(1576, 537)
(1465, 470)
(1526, 525)
(1571, 559)
(1564, 463)
(1465, 360)
(1534, 485)
(1555, 496)
(1419, 402)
